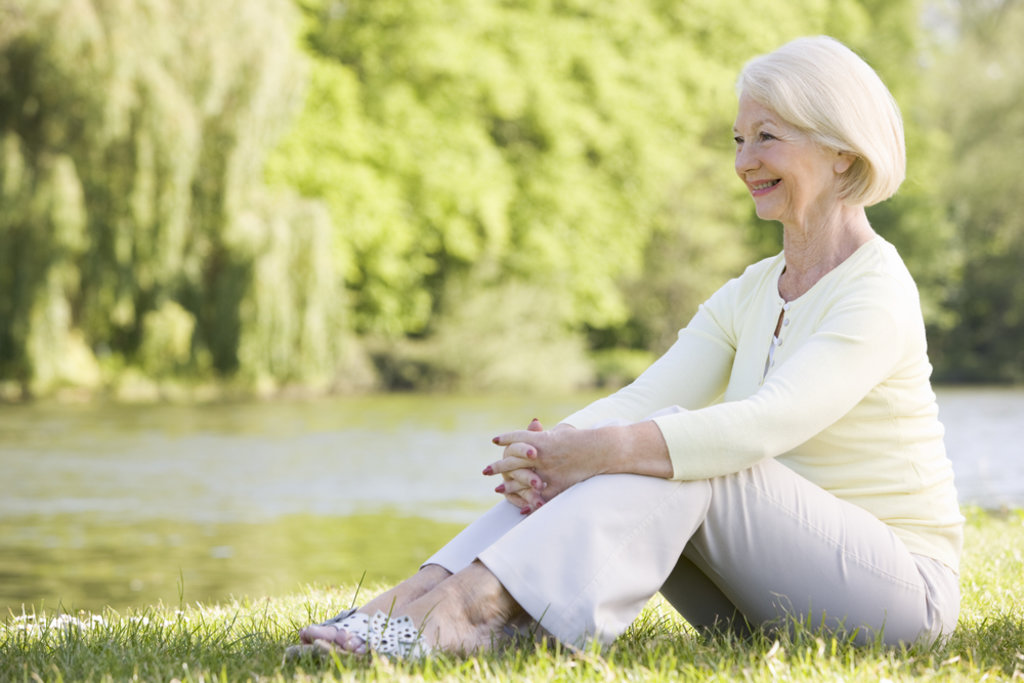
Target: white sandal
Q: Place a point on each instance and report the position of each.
(385, 635)
(398, 637)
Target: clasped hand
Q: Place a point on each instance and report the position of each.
(538, 464)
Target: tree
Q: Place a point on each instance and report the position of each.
(134, 227)
(583, 149)
(978, 96)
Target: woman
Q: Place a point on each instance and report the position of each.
(782, 460)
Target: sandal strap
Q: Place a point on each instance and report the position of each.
(340, 616)
(396, 636)
(383, 634)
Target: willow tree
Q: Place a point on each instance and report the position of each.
(135, 230)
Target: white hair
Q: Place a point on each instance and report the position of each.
(823, 88)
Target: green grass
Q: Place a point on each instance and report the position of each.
(245, 639)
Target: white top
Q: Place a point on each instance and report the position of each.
(842, 396)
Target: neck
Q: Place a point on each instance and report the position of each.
(813, 249)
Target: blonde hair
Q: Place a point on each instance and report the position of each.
(823, 88)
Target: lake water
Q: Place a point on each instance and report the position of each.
(129, 505)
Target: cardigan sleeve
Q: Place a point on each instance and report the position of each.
(692, 374)
(857, 345)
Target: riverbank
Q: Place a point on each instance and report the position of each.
(244, 639)
(116, 505)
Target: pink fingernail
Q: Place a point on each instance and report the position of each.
(488, 470)
(524, 511)
(531, 453)
(500, 488)
(496, 440)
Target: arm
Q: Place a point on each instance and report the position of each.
(859, 343)
(693, 373)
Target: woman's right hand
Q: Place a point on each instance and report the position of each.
(522, 486)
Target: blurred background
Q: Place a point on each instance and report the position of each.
(389, 216)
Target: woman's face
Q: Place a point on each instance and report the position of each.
(791, 177)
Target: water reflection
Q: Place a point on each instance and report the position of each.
(81, 562)
(126, 506)
(418, 456)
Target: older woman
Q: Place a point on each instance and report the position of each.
(782, 460)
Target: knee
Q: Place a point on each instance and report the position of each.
(619, 485)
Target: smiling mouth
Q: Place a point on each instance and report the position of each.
(764, 185)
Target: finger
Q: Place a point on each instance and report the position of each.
(521, 450)
(516, 474)
(521, 436)
(527, 502)
(535, 426)
(507, 465)
(518, 501)
(516, 482)
(520, 480)
(533, 502)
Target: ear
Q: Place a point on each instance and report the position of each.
(843, 162)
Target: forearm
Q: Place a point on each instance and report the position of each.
(631, 449)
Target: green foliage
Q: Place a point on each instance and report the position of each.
(133, 137)
(491, 340)
(294, 184)
(979, 98)
(585, 150)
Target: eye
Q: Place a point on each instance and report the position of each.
(765, 137)
(738, 140)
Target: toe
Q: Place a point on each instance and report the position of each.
(356, 646)
(317, 632)
(351, 643)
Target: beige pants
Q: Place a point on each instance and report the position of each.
(756, 547)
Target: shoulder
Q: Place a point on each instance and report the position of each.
(725, 312)
(872, 290)
(739, 295)
(877, 269)
(759, 271)
(760, 276)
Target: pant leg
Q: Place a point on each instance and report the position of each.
(701, 602)
(586, 563)
(776, 546)
(492, 525)
(459, 552)
(762, 544)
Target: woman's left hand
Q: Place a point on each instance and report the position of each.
(538, 464)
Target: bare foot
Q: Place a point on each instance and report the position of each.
(465, 613)
(417, 585)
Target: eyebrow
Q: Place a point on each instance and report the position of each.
(757, 124)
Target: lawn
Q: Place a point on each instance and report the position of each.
(244, 640)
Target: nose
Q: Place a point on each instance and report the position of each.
(746, 160)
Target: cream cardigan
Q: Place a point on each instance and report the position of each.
(846, 401)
